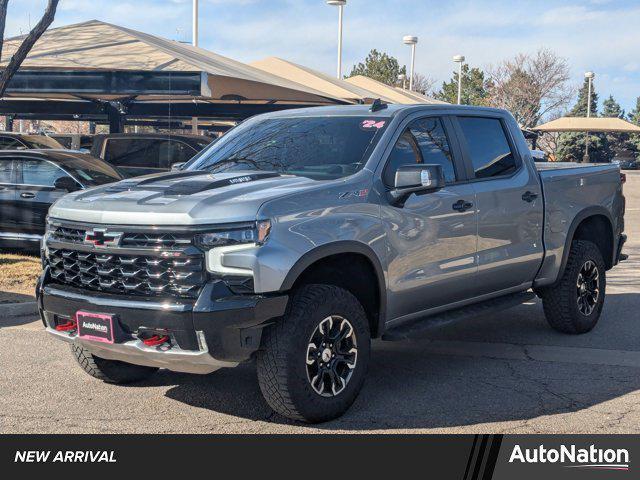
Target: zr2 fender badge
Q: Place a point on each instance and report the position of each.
(357, 194)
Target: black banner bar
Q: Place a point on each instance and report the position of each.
(440, 457)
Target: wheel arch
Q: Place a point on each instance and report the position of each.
(602, 234)
(334, 252)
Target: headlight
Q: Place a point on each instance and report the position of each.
(257, 234)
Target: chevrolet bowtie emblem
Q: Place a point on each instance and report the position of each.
(102, 238)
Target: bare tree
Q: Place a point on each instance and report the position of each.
(27, 44)
(531, 87)
(549, 142)
(422, 83)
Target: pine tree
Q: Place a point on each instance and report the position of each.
(571, 145)
(475, 87)
(634, 117)
(620, 143)
(379, 66)
(580, 108)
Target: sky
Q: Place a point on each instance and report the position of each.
(598, 35)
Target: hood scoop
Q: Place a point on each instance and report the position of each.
(122, 186)
(176, 184)
(191, 187)
(126, 185)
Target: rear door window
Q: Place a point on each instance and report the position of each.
(6, 172)
(132, 152)
(40, 173)
(172, 151)
(488, 147)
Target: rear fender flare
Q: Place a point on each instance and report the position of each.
(577, 220)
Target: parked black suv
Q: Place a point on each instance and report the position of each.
(31, 180)
(141, 153)
(22, 141)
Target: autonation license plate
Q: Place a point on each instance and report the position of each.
(95, 326)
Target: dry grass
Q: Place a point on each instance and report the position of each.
(18, 275)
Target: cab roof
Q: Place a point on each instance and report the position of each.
(390, 110)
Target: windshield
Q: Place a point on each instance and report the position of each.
(320, 148)
(41, 141)
(90, 171)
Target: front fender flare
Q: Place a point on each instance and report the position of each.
(336, 248)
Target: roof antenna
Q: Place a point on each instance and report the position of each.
(377, 105)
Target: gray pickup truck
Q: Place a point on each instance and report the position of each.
(301, 235)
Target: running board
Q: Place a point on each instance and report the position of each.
(416, 327)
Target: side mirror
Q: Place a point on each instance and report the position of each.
(414, 179)
(67, 184)
(176, 167)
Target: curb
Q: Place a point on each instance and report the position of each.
(18, 309)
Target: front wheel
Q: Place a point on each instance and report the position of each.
(314, 360)
(574, 305)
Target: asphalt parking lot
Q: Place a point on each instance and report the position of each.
(501, 373)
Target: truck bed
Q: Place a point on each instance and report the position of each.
(569, 190)
(545, 166)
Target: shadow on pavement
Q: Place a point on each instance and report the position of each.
(11, 297)
(408, 388)
(17, 321)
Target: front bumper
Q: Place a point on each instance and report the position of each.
(136, 352)
(218, 329)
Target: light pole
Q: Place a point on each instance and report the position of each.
(402, 78)
(411, 40)
(340, 4)
(589, 76)
(459, 59)
(194, 23)
(194, 42)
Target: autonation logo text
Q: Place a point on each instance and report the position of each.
(589, 458)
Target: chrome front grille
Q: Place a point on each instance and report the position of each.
(155, 240)
(176, 274)
(76, 234)
(68, 234)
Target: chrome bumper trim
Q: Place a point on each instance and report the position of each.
(113, 301)
(137, 353)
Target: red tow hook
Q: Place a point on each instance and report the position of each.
(155, 340)
(66, 327)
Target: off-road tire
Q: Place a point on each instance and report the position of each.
(281, 361)
(560, 301)
(111, 371)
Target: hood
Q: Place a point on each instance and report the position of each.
(179, 198)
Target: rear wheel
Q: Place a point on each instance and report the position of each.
(314, 360)
(111, 371)
(574, 305)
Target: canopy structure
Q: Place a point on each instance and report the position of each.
(96, 70)
(319, 81)
(395, 94)
(590, 124)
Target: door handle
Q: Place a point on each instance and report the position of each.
(27, 195)
(529, 196)
(462, 205)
